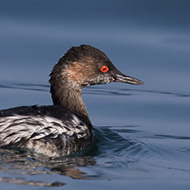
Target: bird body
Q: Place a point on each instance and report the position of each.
(64, 127)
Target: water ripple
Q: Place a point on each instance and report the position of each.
(90, 90)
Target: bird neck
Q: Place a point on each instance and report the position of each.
(69, 96)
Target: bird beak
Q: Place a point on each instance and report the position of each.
(120, 77)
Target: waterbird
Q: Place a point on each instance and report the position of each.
(64, 127)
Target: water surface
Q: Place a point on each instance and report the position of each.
(142, 133)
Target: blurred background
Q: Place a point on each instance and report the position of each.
(146, 39)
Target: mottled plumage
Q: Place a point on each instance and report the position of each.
(48, 130)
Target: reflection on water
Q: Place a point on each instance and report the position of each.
(17, 163)
(35, 183)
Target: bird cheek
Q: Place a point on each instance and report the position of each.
(74, 76)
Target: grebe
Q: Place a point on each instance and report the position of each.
(64, 127)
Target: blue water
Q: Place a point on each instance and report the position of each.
(142, 133)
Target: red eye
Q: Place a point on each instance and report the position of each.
(104, 69)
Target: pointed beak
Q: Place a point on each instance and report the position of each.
(120, 77)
